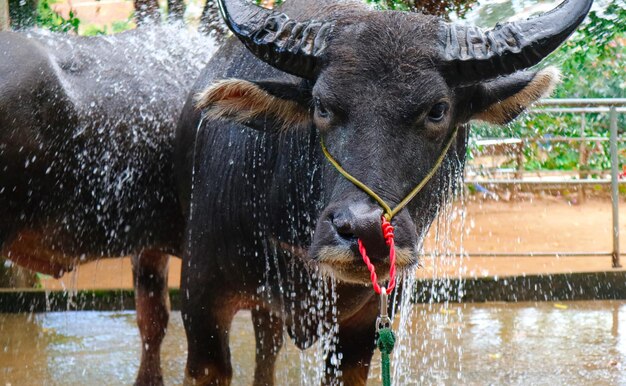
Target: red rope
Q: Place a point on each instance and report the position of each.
(389, 239)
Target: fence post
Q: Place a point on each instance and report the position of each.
(614, 186)
(4, 15)
(519, 159)
(582, 160)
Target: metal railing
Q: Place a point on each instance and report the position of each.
(610, 106)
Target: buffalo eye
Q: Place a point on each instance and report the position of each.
(438, 112)
(320, 110)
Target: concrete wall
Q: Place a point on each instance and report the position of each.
(4, 15)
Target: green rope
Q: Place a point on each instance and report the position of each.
(386, 341)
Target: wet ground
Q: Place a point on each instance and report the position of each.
(582, 343)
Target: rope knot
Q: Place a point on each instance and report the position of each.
(385, 343)
(390, 240)
(386, 340)
(387, 231)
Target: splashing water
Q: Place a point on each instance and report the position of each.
(424, 347)
(118, 99)
(313, 360)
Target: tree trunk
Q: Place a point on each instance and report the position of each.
(147, 12)
(175, 10)
(441, 8)
(4, 15)
(22, 13)
(211, 22)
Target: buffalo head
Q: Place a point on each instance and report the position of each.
(385, 91)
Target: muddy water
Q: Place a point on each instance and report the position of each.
(470, 344)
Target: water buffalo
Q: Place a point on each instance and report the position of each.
(267, 212)
(86, 142)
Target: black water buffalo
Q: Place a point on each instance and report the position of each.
(86, 143)
(266, 211)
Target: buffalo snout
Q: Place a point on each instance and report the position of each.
(342, 225)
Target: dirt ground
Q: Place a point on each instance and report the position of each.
(533, 225)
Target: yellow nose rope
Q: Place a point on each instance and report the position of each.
(390, 213)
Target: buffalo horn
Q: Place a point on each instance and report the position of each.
(291, 46)
(471, 54)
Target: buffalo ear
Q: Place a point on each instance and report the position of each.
(501, 100)
(263, 105)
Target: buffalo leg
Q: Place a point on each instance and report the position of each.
(356, 344)
(153, 310)
(207, 327)
(211, 21)
(268, 331)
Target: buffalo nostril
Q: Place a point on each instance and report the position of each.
(343, 227)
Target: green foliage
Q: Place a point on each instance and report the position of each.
(269, 3)
(94, 30)
(47, 18)
(392, 5)
(592, 63)
(442, 8)
(121, 26)
(116, 27)
(593, 60)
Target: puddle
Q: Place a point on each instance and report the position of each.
(471, 344)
